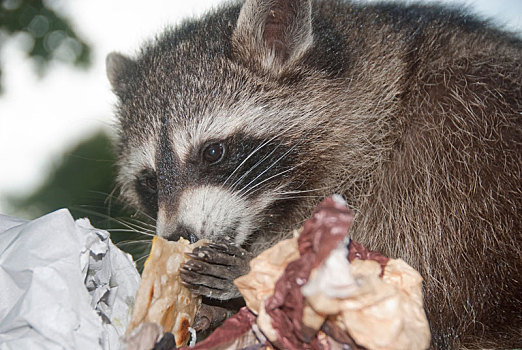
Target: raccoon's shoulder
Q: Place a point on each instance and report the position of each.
(349, 32)
(407, 16)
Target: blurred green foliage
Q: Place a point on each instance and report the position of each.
(83, 182)
(50, 35)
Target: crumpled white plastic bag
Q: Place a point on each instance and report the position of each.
(63, 285)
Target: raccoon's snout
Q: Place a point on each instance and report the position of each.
(182, 231)
(209, 212)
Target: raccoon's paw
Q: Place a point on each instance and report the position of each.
(209, 317)
(213, 269)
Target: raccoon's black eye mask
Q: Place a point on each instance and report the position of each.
(238, 163)
(147, 188)
(147, 181)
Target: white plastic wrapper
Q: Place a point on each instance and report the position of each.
(63, 285)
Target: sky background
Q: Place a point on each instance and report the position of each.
(41, 117)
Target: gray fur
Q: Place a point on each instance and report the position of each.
(412, 113)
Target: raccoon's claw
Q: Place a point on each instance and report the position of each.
(210, 317)
(213, 269)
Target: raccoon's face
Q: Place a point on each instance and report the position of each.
(211, 175)
(211, 143)
(208, 185)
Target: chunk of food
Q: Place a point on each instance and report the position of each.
(161, 297)
(323, 288)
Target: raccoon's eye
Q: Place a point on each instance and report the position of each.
(148, 182)
(213, 152)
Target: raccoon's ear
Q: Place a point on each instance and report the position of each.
(118, 68)
(273, 32)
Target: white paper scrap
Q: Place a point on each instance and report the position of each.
(64, 285)
(333, 277)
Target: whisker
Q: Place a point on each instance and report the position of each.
(297, 197)
(135, 223)
(233, 186)
(141, 258)
(110, 196)
(256, 150)
(248, 157)
(137, 242)
(249, 190)
(132, 227)
(142, 213)
(136, 228)
(301, 191)
(144, 224)
(128, 230)
(96, 213)
(270, 167)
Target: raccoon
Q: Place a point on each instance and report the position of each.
(232, 127)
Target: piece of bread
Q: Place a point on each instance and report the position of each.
(161, 297)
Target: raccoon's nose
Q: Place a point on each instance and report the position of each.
(185, 232)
